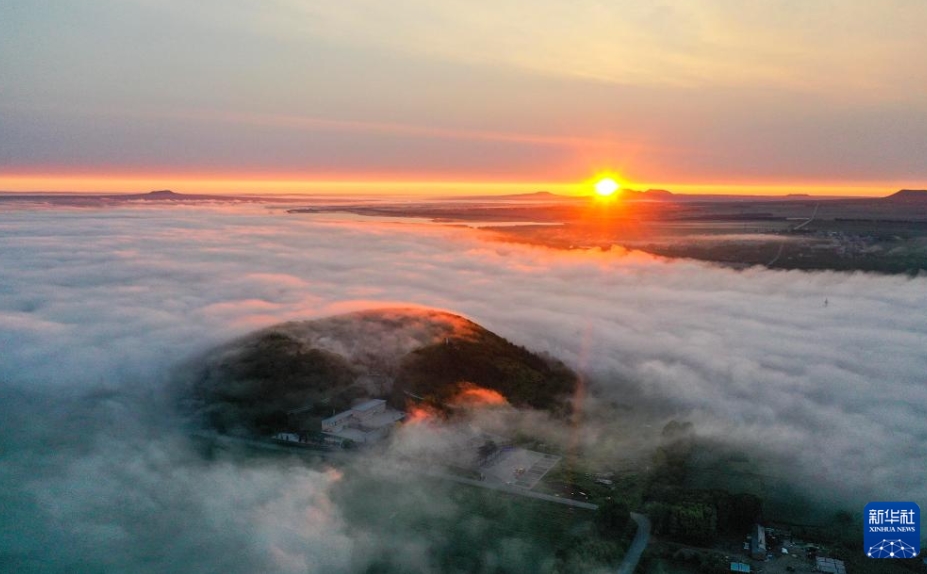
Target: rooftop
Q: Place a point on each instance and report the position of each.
(383, 419)
(368, 405)
(338, 417)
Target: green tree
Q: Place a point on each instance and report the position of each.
(612, 517)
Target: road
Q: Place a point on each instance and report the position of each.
(631, 558)
(805, 223)
(640, 541)
(778, 255)
(641, 537)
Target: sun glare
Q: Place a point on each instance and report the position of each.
(606, 186)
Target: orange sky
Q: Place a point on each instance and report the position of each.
(296, 186)
(422, 97)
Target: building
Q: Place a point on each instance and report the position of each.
(366, 423)
(758, 543)
(739, 567)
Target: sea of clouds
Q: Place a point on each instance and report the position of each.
(97, 306)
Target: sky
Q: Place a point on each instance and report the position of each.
(100, 307)
(298, 96)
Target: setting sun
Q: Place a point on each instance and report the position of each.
(606, 186)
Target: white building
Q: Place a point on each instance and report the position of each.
(365, 423)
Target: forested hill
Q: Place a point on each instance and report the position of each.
(323, 366)
(489, 361)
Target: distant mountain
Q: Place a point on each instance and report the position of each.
(649, 195)
(159, 194)
(100, 199)
(908, 196)
(320, 367)
(168, 195)
(659, 193)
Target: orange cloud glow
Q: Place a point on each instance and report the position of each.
(471, 395)
(418, 414)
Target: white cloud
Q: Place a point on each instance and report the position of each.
(107, 302)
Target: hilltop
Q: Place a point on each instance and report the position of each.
(489, 361)
(109, 199)
(322, 366)
(168, 195)
(908, 196)
(159, 194)
(650, 194)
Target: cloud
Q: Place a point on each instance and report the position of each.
(97, 307)
(703, 91)
(670, 44)
(96, 489)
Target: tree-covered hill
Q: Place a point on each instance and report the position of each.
(322, 366)
(487, 360)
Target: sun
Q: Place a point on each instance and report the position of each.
(606, 186)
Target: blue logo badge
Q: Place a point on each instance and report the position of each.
(892, 530)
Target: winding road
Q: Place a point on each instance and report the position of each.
(631, 558)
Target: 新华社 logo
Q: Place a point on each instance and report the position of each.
(892, 530)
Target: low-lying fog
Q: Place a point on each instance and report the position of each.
(97, 306)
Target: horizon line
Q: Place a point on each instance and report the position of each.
(270, 186)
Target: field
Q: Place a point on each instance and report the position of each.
(884, 235)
